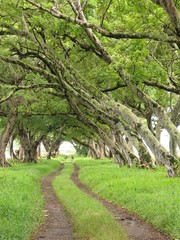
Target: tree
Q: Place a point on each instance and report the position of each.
(129, 59)
(9, 121)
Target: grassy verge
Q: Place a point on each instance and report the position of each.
(148, 193)
(21, 202)
(91, 220)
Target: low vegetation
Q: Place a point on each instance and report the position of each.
(91, 220)
(148, 193)
(21, 201)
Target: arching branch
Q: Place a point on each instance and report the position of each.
(162, 86)
(103, 32)
(172, 11)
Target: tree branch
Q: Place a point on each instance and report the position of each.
(102, 31)
(118, 85)
(162, 86)
(33, 86)
(172, 12)
(104, 14)
(83, 46)
(35, 69)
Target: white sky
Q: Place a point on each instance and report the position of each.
(67, 148)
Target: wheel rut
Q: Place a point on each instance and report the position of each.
(57, 225)
(136, 228)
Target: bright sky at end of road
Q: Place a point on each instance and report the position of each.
(67, 148)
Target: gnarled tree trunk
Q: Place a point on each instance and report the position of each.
(5, 136)
(52, 146)
(29, 144)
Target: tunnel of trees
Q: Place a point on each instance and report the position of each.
(104, 74)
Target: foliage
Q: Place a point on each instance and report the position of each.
(91, 61)
(81, 150)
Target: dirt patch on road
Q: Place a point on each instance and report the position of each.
(57, 225)
(136, 228)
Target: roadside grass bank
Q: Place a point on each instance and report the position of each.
(148, 193)
(91, 220)
(21, 201)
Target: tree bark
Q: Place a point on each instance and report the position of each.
(29, 148)
(104, 112)
(153, 106)
(172, 11)
(29, 144)
(11, 147)
(52, 145)
(140, 125)
(5, 137)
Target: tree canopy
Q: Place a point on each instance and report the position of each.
(111, 67)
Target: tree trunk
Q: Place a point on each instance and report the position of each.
(5, 137)
(134, 139)
(39, 150)
(30, 149)
(153, 106)
(101, 150)
(175, 117)
(172, 146)
(135, 122)
(49, 154)
(107, 152)
(115, 149)
(140, 125)
(158, 129)
(28, 146)
(11, 148)
(93, 149)
(21, 153)
(52, 146)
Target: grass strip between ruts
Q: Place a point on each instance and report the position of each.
(21, 201)
(91, 219)
(149, 193)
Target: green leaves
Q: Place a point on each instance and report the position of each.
(54, 44)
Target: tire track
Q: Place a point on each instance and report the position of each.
(136, 228)
(57, 225)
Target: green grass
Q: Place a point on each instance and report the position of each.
(91, 220)
(148, 193)
(21, 201)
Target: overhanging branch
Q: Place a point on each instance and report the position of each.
(162, 86)
(103, 32)
(33, 86)
(118, 85)
(35, 69)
